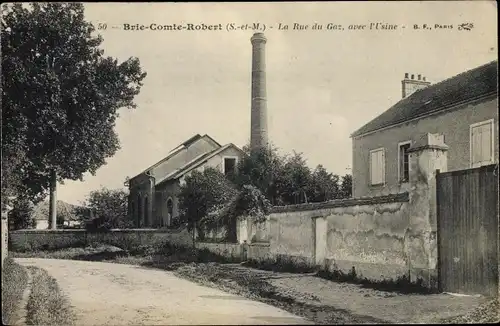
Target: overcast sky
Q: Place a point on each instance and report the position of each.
(322, 85)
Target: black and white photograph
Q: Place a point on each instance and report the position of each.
(250, 163)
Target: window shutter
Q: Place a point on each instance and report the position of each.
(481, 144)
(377, 167)
(486, 135)
(382, 166)
(373, 165)
(475, 146)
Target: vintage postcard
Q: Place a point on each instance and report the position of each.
(250, 163)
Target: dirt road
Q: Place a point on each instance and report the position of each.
(116, 294)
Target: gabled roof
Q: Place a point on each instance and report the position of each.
(467, 86)
(196, 162)
(176, 150)
(191, 140)
(41, 210)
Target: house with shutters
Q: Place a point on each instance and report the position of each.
(462, 111)
(153, 193)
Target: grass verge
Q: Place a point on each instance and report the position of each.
(47, 305)
(487, 313)
(14, 282)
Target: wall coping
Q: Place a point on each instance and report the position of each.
(362, 201)
(218, 243)
(252, 244)
(46, 231)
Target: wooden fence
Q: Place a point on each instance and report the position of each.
(467, 221)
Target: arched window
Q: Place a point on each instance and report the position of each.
(170, 210)
(139, 210)
(146, 211)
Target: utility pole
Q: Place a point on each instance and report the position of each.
(53, 174)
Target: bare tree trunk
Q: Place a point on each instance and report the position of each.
(53, 201)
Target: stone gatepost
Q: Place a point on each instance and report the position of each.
(427, 155)
(5, 236)
(5, 228)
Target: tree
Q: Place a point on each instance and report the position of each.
(261, 168)
(294, 179)
(346, 186)
(286, 179)
(11, 178)
(323, 186)
(60, 94)
(21, 216)
(203, 193)
(109, 207)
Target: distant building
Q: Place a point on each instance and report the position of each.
(42, 223)
(65, 211)
(462, 111)
(153, 198)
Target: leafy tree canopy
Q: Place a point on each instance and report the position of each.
(21, 216)
(60, 95)
(249, 202)
(286, 179)
(203, 193)
(109, 207)
(346, 186)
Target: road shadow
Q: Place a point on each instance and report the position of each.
(102, 256)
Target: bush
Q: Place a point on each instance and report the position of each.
(402, 284)
(47, 305)
(14, 281)
(21, 216)
(249, 201)
(280, 264)
(487, 313)
(203, 193)
(109, 207)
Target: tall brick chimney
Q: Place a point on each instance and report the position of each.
(258, 128)
(411, 85)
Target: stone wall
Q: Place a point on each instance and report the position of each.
(383, 237)
(367, 234)
(128, 239)
(292, 234)
(251, 231)
(217, 234)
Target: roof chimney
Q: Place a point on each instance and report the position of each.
(258, 127)
(409, 86)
